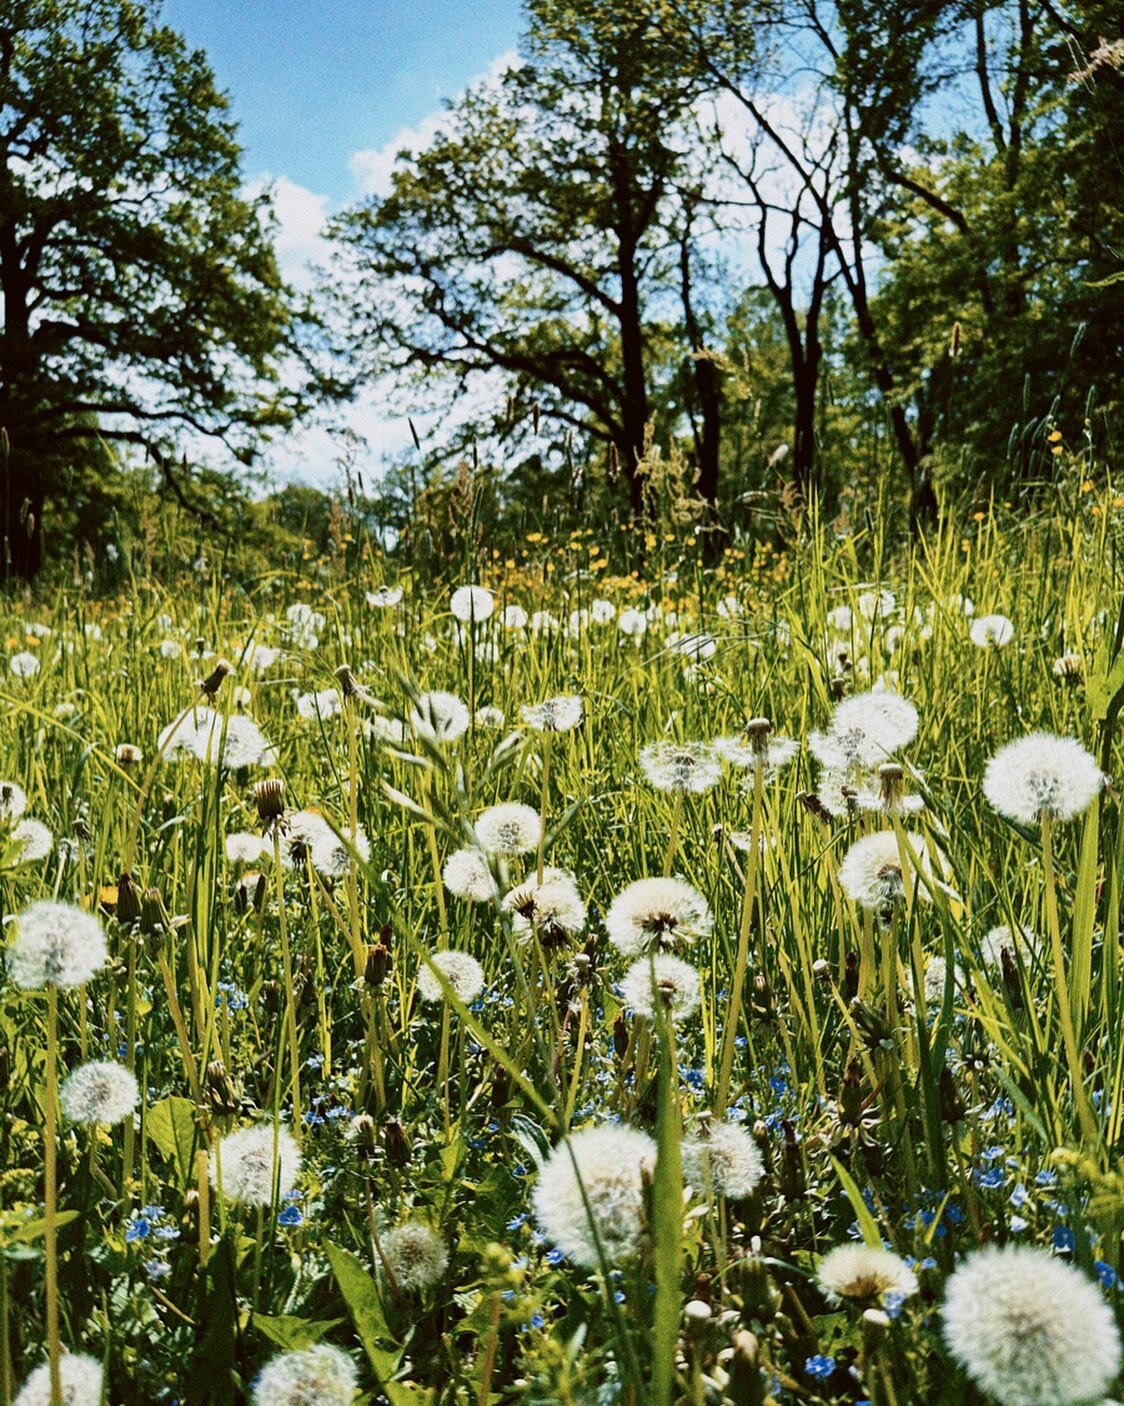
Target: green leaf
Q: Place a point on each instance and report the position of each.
(36, 1229)
(872, 1236)
(361, 1295)
(667, 1222)
(292, 1333)
(171, 1126)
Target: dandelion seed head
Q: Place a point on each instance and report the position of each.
(247, 1164)
(728, 1160)
(509, 829)
(1042, 777)
(56, 944)
(244, 847)
(35, 841)
(13, 801)
(865, 1273)
(383, 597)
(440, 717)
(467, 875)
(871, 872)
(865, 730)
(991, 631)
(472, 603)
(773, 752)
(81, 1377)
(554, 715)
(658, 982)
(489, 716)
(1030, 1329)
(687, 767)
(327, 703)
(415, 1255)
(462, 971)
(514, 617)
(101, 1092)
(320, 1375)
(24, 665)
(1022, 941)
(555, 907)
(235, 742)
(609, 1163)
(655, 913)
(632, 624)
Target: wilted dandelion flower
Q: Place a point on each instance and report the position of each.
(875, 603)
(654, 913)
(56, 944)
(871, 872)
(865, 1273)
(554, 908)
(467, 875)
(1042, 777)
(509, 829)
(415, 1255)
(320, 1375)
(462, 971)
(1070, 667)
(247, 1162)
(127, 754)
(553, 715)
(661, 982)
(81, 1379)
(13, 800)
(472, 603)
(1030, 1329)
(99, 1092)
(603, 1167)
(24, 665)
(440, 717)
(726, 1160)
(383, 597)
(991, 631)
(35, 841)
(839, 619)
(865, 729)
(688, 767)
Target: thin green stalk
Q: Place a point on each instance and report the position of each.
(290, 1017)
(741, 958)
(50, 1170)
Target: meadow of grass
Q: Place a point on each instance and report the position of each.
(335, 1146)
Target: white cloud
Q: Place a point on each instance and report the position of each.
(373, 167)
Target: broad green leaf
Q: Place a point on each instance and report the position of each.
(361, 1295)
(292, 1333)
(170, 1124)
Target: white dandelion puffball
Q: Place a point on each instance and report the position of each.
(462, 971)
(247, 1163)
(489, 716)
(100, 1092)
(509, 829)
(320, 1375)
(244, 847)
(865, 1273)
(603, 1166)
(654, 913)
(383, 597)
(1030, 1329)
(742, 752)
(81, 1378)
(34, 839)
(261, 657)
(554, 908)
(179, 738)
(440, 717)
(1023, 941)
(632, 624)
(233, 742)
(689, 767)
(332, 853)
(327, 703)
(305, 833)
(56, 944)
(553, 715)
(727, 1160)
(933, 982)
(865, 729)
(659, 981)
(415, 1255)
(871, 872)
(472, 603)
(696, 647)
(1042, 777)
(13, 800)
(467, 875)
(514, 617)
(24, 665)
(991, 631)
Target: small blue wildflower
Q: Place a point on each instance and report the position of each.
(554, 1256)
(517, 1222)
(819, 1366)
(138, 1229)
(1105, 1273)
(290, 1217)
(167, 1232)
(1046, 1177)
(157, 1269)
(1017, 1223)
(1064, 1240)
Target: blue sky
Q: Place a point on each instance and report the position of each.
(312, 81)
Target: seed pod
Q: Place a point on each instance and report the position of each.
(213, 682)
(620, 1035)
(378, 965)
(396, 1144)
(269, 797)
(363, 1133)
(128, 901)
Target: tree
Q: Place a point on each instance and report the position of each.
(530, 254)
(141, 295)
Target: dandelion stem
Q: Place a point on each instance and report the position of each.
(741, 959)
(547, 738)
(50, 1170)
(673, 835)
(290, 1016)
